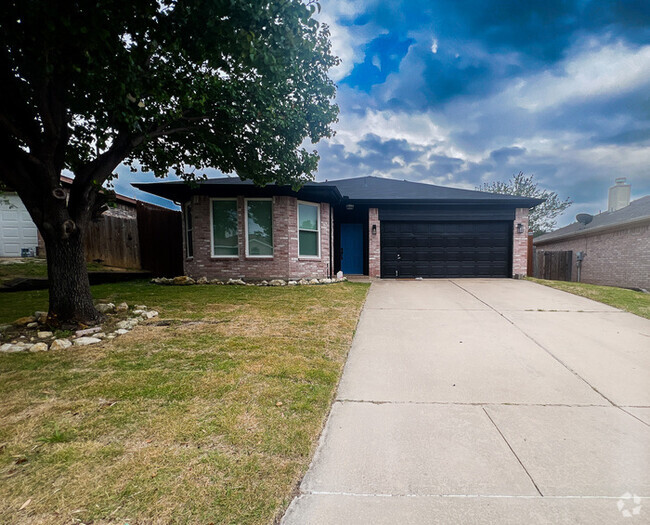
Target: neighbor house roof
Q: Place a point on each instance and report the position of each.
(638, 211)
(358, 189)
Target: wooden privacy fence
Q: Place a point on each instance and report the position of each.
(161, 240)
(556, 265)
(114, 241)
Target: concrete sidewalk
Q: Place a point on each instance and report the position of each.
(485, 401)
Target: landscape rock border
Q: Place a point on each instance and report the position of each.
(29, 335)
(184, 280)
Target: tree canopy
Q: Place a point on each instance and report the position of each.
(542, 217)
(160, 85)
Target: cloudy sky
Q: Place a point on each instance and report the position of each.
(459, 93)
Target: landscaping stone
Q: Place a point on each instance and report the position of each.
(183, 280)
(314, 281)
(38, 347)
(104, 308)
(85, 341)
(88, 331)
(12, 348)
(44, 334)
(138, 311)
(277, 282)
(292, 283)
(140, 307)
(41, 317)
(122, 307)
(32, 325)
(202, 280)
(121, 331)
(100, 335)
(150, 315)
(128, 324)
(5, 347)
(235, 281)
(264, 283)
(24, 321)
(303, 281)
(60, 344)
(216, 281)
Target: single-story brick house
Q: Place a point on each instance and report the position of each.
(366, 225)
(615, 244)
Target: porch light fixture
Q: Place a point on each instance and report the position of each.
(374, 229)
(349, 207)
(520, 228)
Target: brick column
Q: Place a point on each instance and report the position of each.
(520, 244)
(374, 245)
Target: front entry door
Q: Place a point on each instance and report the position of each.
(352, 248)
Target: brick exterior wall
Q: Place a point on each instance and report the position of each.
(374, 244)
(285, 263)
(618, 257)
(520, 243)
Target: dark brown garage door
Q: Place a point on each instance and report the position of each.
(445, 249)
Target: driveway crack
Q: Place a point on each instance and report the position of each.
(513, 452)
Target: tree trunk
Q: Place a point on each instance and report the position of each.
(70, 297)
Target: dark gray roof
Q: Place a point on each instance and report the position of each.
(358, 189)
(380, 189)
(637, 210)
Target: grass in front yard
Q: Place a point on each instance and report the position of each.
(211, 419)
(635, 302)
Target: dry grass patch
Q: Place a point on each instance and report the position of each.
(209, 418)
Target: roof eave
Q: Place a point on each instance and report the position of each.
(597, 229)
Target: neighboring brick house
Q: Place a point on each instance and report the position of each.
(615, 243)
(366, 225)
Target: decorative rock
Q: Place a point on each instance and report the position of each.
(110, 336)
(44, 335)
(264, 283)
(292, 283)
(277, 282)
(23, 321)
(10, 349)
(325, 281)
(100, 335)
(88, 331)
(104, 308)
(303, 281)
(85, 341)
(138, 311)
(60, 344)
(41, 317)
(314, 281)
(235, 281)
(5, 347)
(202, 280)
(38, 347)
(216, 281)
(339, 276)
(149, 315)
(121, 331)
(122, 307)
(183, 280)
(129, 324)
(32, 325)
(140, 307)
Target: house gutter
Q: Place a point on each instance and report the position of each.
(595, 230)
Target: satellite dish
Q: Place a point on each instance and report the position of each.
(584, 218)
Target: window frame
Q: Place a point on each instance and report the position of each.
(189, 232)
(318, 243)
(248, 255)
(212, 255)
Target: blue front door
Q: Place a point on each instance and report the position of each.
(352, 248)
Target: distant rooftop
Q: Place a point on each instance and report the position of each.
(637, 211)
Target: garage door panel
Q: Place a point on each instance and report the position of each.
(445, 249)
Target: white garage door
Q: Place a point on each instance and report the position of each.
(17, 231)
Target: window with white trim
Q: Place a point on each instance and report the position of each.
(259, 228)
(225, 239)
(308, 230)
(189, 240)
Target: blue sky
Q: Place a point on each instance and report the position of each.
(461, 92)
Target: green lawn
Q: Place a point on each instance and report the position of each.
(37, 268)
(635, 302)
(211, 417)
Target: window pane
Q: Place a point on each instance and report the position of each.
(260, 228)
(224, 227)
(307, 217)
(308, 243)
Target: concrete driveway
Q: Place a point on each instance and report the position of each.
(485, 401)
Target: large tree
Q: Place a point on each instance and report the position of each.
(542, 217)
(159, 85)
